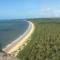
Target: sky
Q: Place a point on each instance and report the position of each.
(19, 9)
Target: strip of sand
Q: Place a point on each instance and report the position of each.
(15, 45)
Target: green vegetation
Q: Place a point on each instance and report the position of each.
(44, 43)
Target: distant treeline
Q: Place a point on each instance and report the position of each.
(46, 19)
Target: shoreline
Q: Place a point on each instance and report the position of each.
(15, 45)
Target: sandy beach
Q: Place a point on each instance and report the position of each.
(18, 43)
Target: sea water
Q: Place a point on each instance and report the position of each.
(11, 30)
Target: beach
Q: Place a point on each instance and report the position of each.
(18, 43)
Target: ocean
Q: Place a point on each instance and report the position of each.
(11, 30)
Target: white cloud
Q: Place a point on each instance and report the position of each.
(50, 12)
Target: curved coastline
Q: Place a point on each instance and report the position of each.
(15, 45)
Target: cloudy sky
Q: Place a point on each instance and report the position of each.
(15, 9)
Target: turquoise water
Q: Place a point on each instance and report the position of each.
(11, 30)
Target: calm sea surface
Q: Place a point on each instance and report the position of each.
(11, 30)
